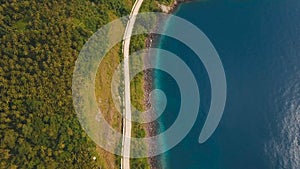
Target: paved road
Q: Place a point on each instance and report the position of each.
(125, 161)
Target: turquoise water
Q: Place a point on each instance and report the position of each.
(259, 44)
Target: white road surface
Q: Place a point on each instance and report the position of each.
(125, 161)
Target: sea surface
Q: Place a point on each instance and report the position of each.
(258, 42)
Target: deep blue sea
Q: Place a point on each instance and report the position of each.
(258, 42)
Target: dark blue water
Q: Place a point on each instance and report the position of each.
(259, 44)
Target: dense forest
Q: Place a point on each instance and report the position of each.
(40, 41)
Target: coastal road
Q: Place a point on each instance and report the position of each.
(125, 160)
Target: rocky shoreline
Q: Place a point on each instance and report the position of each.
(152, 128)
(171, 8)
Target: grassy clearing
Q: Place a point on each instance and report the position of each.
(103, 93)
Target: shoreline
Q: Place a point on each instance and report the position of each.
(152, 128)
(172, 7)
